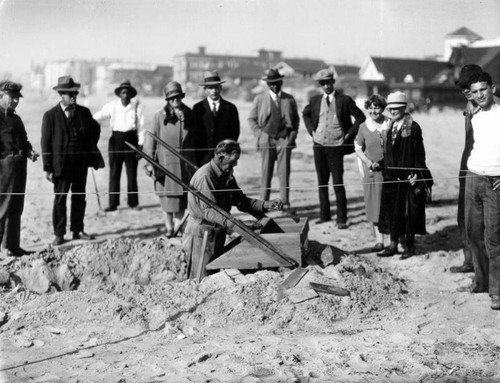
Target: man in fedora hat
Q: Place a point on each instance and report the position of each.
(126, 121)
(328, 120)
(215, 118)
(69, 148)
(14, 151)
(274, 120)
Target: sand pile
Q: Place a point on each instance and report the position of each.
(144, 282)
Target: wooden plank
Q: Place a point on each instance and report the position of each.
(294, 278)
(246, 256)
(273, 252)
(203, 258)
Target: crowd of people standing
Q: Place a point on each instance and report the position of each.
(396, 181)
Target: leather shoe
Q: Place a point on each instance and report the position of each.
(58, 240)
(409, 252)
(461, 269)
(389, 252)
(19, 252)
(495, 302)
(82, 235)
(319, 221)
(472, 289)
(378, 247)
(342, 225)
(110, 208)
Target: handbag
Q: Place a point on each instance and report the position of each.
(423, 188)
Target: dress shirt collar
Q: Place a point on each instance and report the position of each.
(274, 96)
(330, 96)
(212, 102)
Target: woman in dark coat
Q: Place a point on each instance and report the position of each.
(173, 124)
(402, 212)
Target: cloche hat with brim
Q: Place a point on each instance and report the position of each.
(173, 89)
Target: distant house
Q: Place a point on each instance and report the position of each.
(300, 68)
(461, 37)
(417, 78)
(487, 58)
(189, 67)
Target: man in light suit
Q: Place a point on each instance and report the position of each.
(274, 120)
(328, 121)
(215, 118)
(69, 148)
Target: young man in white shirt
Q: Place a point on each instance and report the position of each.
(482, 189)
(126, 121)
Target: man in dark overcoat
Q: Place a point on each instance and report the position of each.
(216, 119)
(69, 148)
(14, 151)
(328, 120)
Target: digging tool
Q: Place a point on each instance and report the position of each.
(275, 253)
(96, 191)
(329, 289)
(291, 281)
(181, 224)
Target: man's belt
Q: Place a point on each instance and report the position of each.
(12, 153)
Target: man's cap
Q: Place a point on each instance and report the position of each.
(66, 84)
(211, 78)
(466, 73)
(173, 89)
(272, 75)
(324, 75)
(126, 85)
(396, 100)
(13, 88)
(227, 146)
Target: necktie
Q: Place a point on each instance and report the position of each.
(70, 109)
(214, 110)
(394, 132)
(278, 103)
(328, 101)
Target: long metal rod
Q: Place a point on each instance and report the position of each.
(255, 239)
(172, 150)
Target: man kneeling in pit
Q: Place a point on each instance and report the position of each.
(216, 181)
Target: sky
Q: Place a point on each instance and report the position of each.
(153, 31)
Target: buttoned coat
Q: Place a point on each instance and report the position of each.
(55, 139)
(261, 112)
(345, 107)
(213, 130)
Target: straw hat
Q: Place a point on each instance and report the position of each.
(211, 78)
(396, 100)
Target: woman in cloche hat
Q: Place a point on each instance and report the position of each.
(174, 125)
(406, 179)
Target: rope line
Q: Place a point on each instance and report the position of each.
(249, 190)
